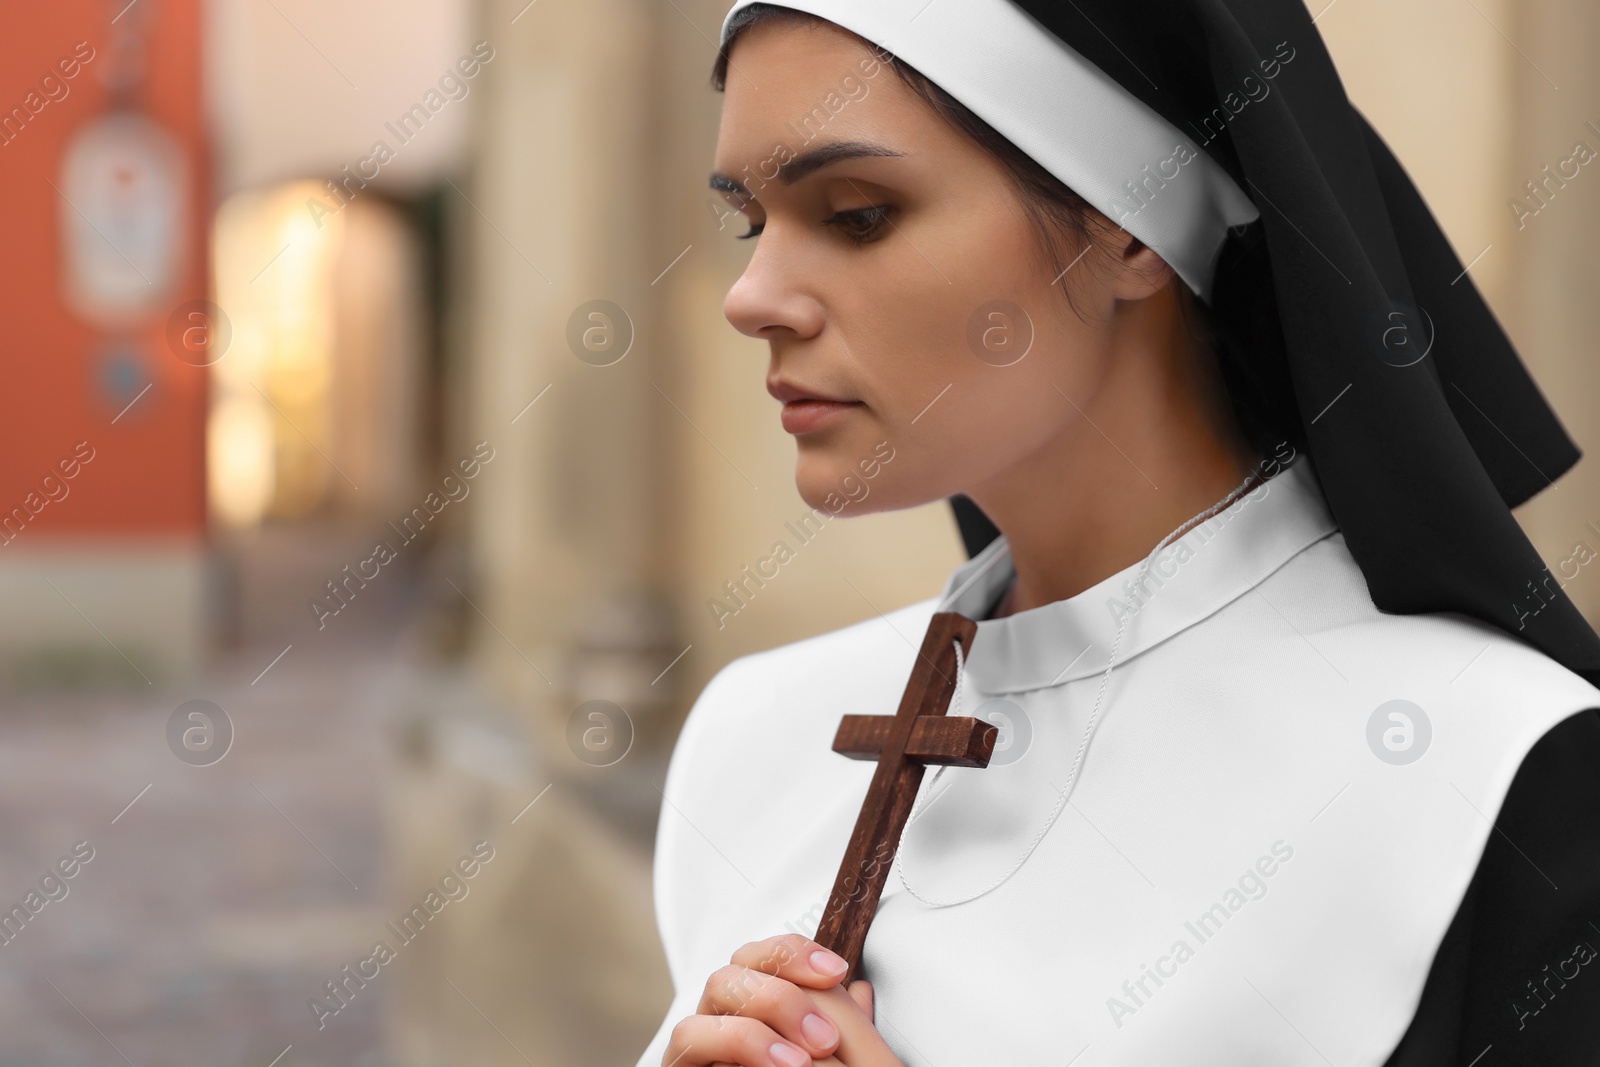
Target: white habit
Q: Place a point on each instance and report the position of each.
(1246, 872)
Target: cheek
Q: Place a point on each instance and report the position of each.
(932, 326)
(923, 318)
(997, 344)
(1018, 355)
(953, 419)
(997, 416)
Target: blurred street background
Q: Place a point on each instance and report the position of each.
(374, 460)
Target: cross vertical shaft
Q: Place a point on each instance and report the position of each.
(903, 746)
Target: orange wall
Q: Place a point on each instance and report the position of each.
(147, 474)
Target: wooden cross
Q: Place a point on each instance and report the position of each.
(917, 735)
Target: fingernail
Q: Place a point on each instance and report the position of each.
(819, 1031)
(827, 962)
(788, 1056)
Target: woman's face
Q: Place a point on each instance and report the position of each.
(892, 277)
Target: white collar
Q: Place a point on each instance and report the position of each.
(1211, 565)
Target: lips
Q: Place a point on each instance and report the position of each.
(806, 409)
(803, 416)
(788, 391)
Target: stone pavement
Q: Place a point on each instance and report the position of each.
(219, 900)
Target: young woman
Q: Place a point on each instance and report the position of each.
(1233, 440)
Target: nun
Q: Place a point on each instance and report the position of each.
(1298, 736)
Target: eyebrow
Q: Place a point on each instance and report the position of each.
(807, 162)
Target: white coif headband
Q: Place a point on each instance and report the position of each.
(1101, 141)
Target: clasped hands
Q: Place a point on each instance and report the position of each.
(778, 1003)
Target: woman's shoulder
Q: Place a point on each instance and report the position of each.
(1513, 972)
(830, 671)
(1455, 659)
(776, 711)
(754, 755)
(876, 635)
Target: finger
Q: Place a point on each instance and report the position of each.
(780, 1004)
(795, 959)
(861, 991)
(707, 1040)
(859, 1040)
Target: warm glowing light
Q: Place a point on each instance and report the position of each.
(240, 449)
(270, 424)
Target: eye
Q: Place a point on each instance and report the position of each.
(861, 225)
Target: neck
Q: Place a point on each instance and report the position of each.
(1155, 445)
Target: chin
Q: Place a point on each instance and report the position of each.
(853, 481)
(817, 479)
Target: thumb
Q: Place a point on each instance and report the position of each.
(861, 992)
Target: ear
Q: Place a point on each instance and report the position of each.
(1140, 272)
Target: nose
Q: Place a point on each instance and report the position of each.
(768, 296)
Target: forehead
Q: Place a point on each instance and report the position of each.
(790, 80)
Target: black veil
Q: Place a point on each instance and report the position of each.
(1347, 325)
